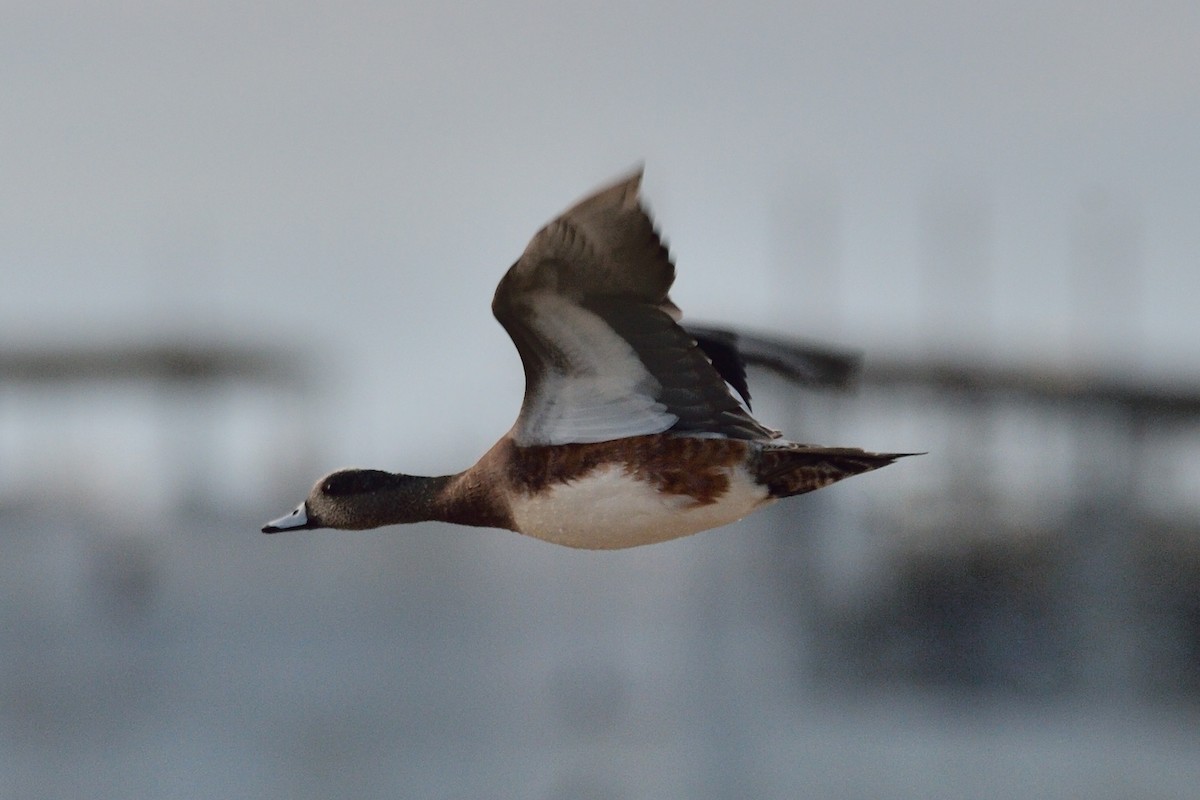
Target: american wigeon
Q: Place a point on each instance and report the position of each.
(628, 433)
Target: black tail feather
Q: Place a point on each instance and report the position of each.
(798, 469)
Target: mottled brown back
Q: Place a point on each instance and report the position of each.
(679, 465)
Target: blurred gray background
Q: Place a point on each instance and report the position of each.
(244, 244)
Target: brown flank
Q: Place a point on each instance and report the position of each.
(679, 465)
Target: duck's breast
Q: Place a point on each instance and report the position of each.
(612, 507)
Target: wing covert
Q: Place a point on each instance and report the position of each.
(587, 307)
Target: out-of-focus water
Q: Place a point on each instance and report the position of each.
(202, 660)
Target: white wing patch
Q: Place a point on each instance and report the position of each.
(603, 392)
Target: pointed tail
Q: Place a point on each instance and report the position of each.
(795, 469)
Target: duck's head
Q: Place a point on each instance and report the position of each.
(349, 499)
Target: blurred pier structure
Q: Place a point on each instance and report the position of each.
(1048, 542)
(149, 427)
(1044, 556)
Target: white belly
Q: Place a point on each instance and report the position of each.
(607, 509)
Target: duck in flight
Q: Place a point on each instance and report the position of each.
(628, 433)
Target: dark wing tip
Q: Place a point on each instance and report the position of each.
(721, 349)
(624, 192)
(805, 363)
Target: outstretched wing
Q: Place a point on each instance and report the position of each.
(587, 307)
(804, 363)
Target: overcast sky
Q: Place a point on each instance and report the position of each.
(354, 177)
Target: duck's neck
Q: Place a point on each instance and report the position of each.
(414, 498)
(395, 499)
(464, 499)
